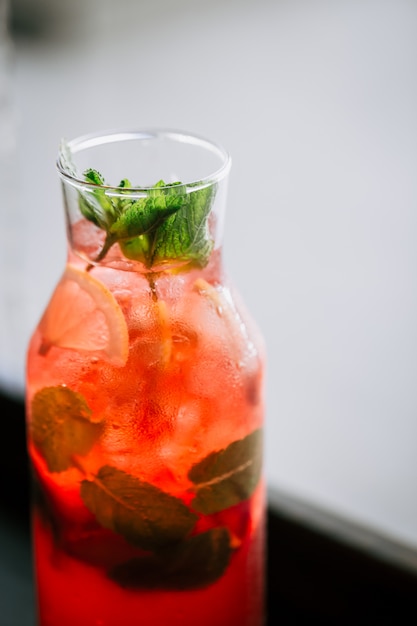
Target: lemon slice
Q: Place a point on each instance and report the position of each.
(84, 315)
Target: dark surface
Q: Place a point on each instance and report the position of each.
(313, 576)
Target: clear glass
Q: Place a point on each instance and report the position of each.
(145, 398)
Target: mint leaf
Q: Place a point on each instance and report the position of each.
(191, 564)
(94, 177)
(143, 215)
(227, 477)
(137, 249)
(90, 211)
(125, 184)
(185, 235)
(125, 187)
(62, 426)
(95, 204)
(145, 515)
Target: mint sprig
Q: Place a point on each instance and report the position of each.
(169, 223)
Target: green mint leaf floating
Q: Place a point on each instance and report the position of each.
(185, 235)
(191, 564)
(227, 477)
(62, 426)
(145, 515)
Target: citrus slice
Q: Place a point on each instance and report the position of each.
(84, 315)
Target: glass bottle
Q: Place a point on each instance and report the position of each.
(145, 398)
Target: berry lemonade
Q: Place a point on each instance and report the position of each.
(145, 421)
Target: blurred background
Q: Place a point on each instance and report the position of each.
(316, 100)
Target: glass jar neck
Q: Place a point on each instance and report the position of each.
(169, 224)
(183, 233)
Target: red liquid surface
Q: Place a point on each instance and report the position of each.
(191, 386)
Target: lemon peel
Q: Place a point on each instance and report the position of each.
(84, 315)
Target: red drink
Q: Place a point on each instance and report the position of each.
(144, 422)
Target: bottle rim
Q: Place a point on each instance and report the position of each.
(68, 174)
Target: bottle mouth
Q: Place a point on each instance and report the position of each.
(154, 155)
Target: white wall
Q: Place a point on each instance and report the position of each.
(316, 100)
